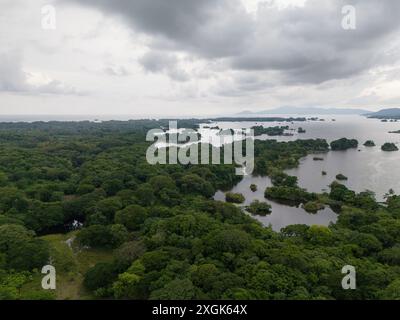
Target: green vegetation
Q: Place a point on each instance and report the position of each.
(259, 208)
(291, 194)
(154, 232)
(253, 187)
(301, 130)
(313, 206)
(341, 177)
(344, 144)
(270, 131)
(272, 156)
(389, 147)
(234, 197)
(369, 143)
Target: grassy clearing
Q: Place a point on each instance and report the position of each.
(71, 264)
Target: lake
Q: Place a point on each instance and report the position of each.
(282, 215)
(367, 168)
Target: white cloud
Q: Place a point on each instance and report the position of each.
(183, 57)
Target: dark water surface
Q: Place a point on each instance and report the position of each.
(282, 215)
(367, 168)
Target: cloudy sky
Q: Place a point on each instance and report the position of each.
(196, 57)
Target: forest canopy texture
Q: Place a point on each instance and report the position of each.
(155, 232)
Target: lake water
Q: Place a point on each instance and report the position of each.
(282, 215)
(367, 168)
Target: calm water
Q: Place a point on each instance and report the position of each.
(366, 168)
(281, 215)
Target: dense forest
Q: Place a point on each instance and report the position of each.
(81, 197)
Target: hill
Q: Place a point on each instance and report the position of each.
(306, 111)
(393, 113)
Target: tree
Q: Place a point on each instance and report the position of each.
(22, 251)
(192, 183)
(280, 178)
(155, 260)
(145, 194)
(85, 188)
(319, 235)
(108, 207)
(234, 197)
(231, 240)
(204, 276)
(259, 208)
(344, 144)
(112, 186)
(179, 289)
(100, 276)
(126, 286)
(44, 216)
(392, 291)
(119, 234)
(130, 251)
(389, 147)
(369, 143)
(390, 256)
(95, 236)
(13, 235)
(28, 255)
(161, 182)
(132, 217)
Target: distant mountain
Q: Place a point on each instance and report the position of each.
(306, 111)
(393, 113)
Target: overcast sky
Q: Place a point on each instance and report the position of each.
(196, 57)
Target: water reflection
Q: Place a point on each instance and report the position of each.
(281, 215)
(366, 168)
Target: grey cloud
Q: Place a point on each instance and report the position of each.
(309, 45)
(163, 62)
(211, 28)
(304, 44)
(116, 71)
(56, 87)
(14, 79)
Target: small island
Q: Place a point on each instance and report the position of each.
(341, 177)
(398, 131)
(318, 159)
(369, 143)
(253, 187)
(270, 131)
(389, 147)
(301, 130)
(226, 132)
(313, 206)
(234, 197)
(259, 208)
(324, 173)
(344, 144)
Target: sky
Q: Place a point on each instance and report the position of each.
(196, 57)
